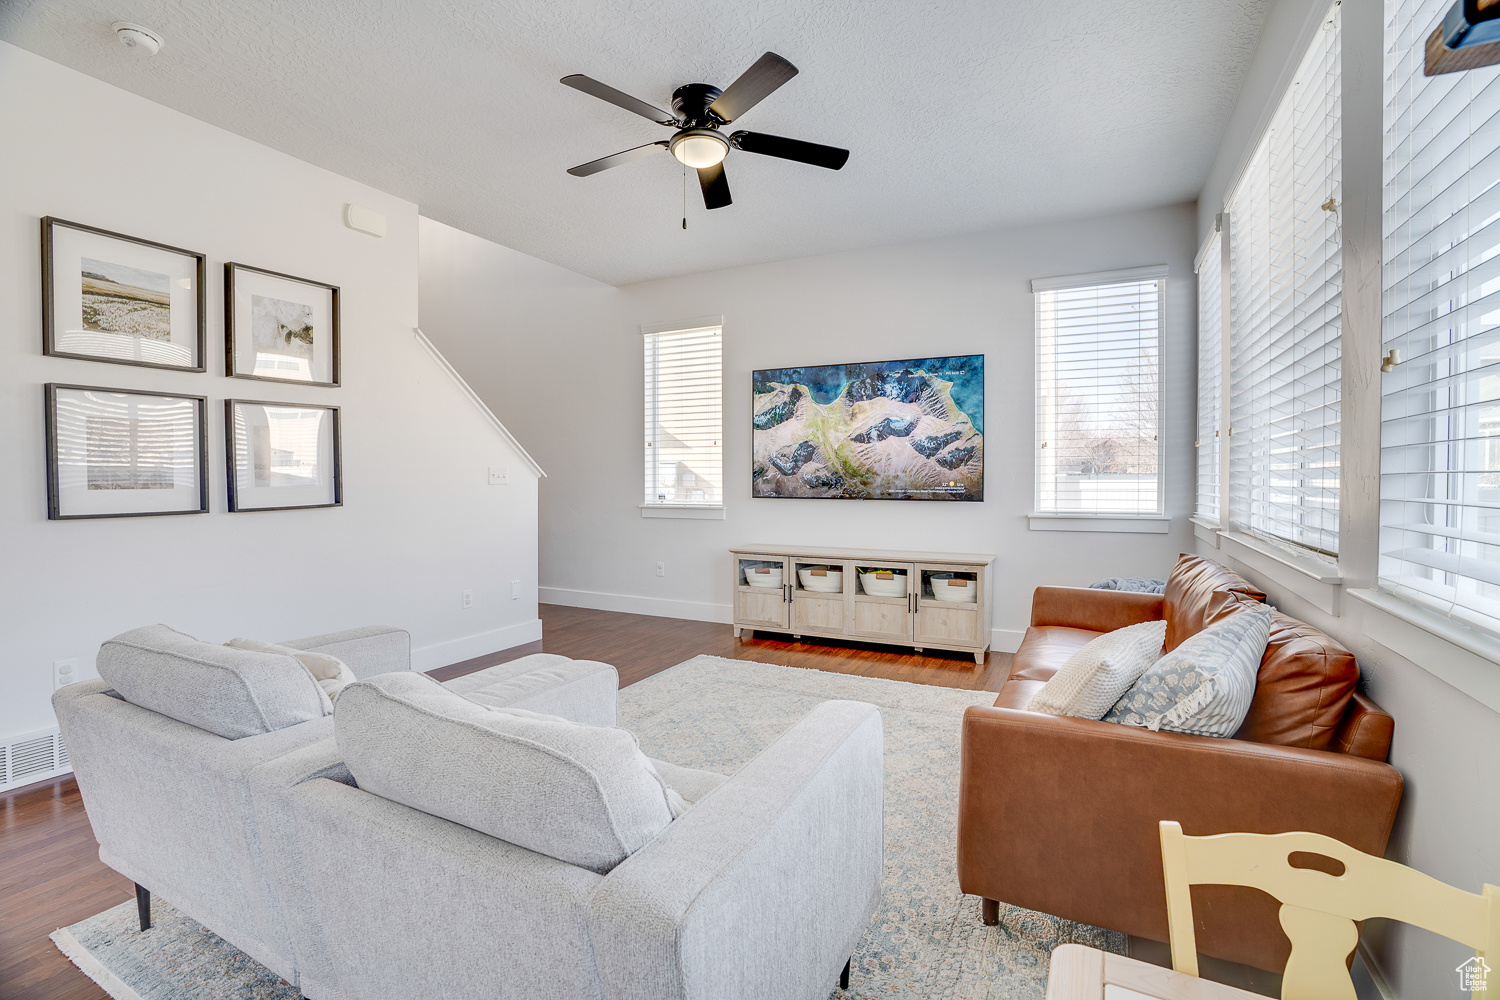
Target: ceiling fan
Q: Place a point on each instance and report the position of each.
(700, 111)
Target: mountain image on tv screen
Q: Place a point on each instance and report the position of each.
(882, 430)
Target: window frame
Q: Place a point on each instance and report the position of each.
(1066, 519)
(713, 510)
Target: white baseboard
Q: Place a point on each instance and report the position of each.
(1006, 640)
(660, 607)
(440, 654)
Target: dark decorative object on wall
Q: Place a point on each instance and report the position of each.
(282, 456)
(881, 430)
(124, 452)
(109, 297)
(279, 328)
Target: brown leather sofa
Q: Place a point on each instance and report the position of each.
(1061, 814)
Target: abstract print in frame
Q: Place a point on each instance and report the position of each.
(282, 456)
(278, 328)
(124, 452)
(882, 430)
(119, 299)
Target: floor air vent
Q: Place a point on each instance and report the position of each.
(33, 757)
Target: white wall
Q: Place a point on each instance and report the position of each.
(1447, 743)
(419, 522)
(559, 359)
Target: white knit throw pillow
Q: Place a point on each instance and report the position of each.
(1097, 675)
(331, 673)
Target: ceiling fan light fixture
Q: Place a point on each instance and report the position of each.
(699, 147)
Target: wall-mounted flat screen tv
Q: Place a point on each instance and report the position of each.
(877, 430)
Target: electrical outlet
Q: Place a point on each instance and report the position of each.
(499, 477)
(661, 569)
(64, 672)
(467, 600)
(515, 590)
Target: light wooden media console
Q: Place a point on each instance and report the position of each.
(918, 618)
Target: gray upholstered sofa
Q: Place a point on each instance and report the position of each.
(762, 887)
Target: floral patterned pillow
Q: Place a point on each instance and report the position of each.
(1205, 685)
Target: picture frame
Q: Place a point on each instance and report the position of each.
(282, 456)
(121, 299)
(280, 328)
(124, 452)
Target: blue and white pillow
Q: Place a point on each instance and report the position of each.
(1205, 685)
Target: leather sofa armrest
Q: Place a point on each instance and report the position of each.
(1365, 730)
(1099, 610)
(1061, 815)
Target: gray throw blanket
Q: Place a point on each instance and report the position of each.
(1139, 584)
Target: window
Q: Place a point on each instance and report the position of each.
(1285, 290)
(684, 455)
(1440, 438)
(1098, 377)
(1210, 374)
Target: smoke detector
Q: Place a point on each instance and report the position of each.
(135, 36)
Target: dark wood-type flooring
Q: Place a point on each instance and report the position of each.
(51, 876)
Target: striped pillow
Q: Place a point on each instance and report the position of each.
(1205, 685)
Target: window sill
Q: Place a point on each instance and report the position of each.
(1205, 530)
(1148, 524)
(688, 513)
(1313, 579)
(1429, 639)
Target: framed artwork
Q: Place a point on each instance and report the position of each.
(280, 328)
(124, 452)
(108, 297)
(282, 456)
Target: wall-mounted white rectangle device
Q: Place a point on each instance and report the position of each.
(364, 220)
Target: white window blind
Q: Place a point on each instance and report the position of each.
(1285, 309)
(684, 452)
(1098, 393)
(1210, 374)
(1440, 441)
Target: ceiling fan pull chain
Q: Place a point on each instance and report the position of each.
(684, 196)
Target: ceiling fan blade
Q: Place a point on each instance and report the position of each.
(618, 98)
(715, 186)
(753, 86)
(790, 149)
(615, 159)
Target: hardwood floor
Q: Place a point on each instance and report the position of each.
(51, 876)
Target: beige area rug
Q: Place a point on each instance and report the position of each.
(925, 943)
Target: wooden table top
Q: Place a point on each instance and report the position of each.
(1081, 973)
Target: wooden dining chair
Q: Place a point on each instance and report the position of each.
(1318, 909)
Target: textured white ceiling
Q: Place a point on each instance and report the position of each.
(960, 116)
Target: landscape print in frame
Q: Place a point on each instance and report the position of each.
(881, 430)
(115, 298)
(279, 328)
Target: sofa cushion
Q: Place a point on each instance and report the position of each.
(1094, 678)
(1306, 680)
(1204, 686)
(1046, 648)
(230, 692)
(581, 794)
(1199, 593)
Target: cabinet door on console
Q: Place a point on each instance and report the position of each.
(948, 605)
(760, 593)
(819, 595)
(881, 605)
